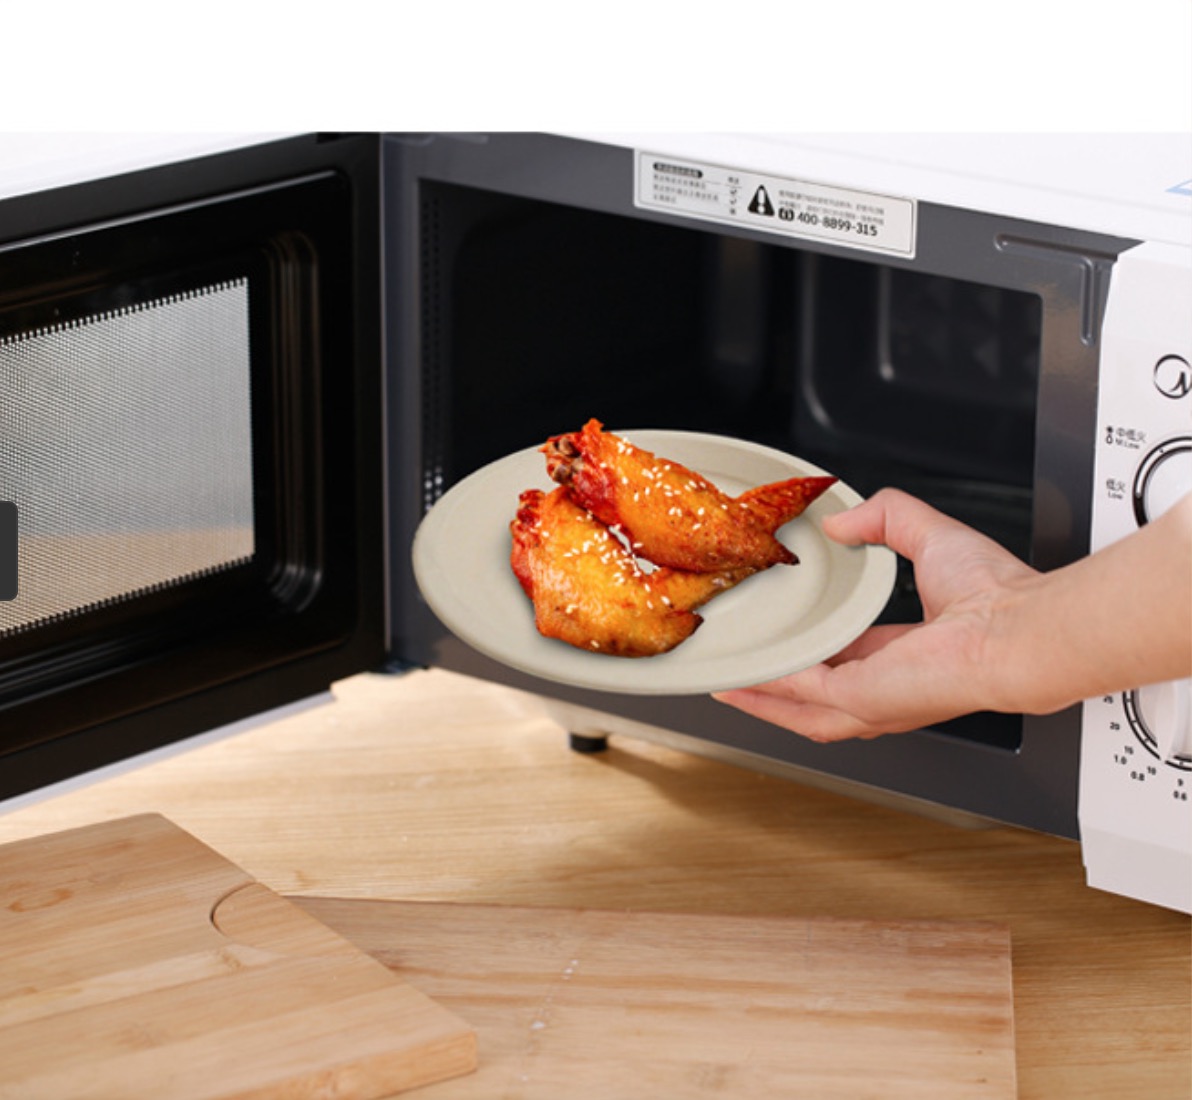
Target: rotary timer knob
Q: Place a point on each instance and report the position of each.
(1161, 717)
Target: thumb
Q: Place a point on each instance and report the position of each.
(864, 522)
(889, 518)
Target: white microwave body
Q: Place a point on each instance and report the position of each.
(1072, 253)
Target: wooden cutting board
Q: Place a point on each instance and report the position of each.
(586, 1004)
(136, 962)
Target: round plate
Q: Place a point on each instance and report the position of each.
(779, 621)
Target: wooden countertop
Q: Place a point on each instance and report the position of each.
(434, 787)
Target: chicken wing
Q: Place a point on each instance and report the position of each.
(671, 515)
(589, 590)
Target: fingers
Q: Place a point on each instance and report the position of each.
(805, 702)
(875, 638)
(898, 679)
(810, 720)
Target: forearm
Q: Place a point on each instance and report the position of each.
(1115, 620)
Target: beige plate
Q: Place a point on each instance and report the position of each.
(779, 621)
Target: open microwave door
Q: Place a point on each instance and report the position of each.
(190, 431)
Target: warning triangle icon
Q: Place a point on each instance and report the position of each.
(760, 203)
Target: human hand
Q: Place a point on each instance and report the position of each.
(895, 678)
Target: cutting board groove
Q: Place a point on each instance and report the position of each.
(119, 981)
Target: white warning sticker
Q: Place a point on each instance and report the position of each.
(774, 204)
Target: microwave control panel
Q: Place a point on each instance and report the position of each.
(1136, 756)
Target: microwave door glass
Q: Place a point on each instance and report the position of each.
(126, 442)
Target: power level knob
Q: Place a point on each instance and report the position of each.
(1164, 476)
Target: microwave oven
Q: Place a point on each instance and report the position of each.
(237, 371)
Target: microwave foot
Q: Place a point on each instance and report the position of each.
(587, 742)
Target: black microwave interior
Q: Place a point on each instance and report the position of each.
(537, 316)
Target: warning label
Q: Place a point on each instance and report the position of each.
(773, 204)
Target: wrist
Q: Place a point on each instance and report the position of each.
(1028, 665)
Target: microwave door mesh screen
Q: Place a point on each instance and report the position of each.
(125, 442)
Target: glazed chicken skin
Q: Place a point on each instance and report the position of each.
(589, 591)
(671, 515)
